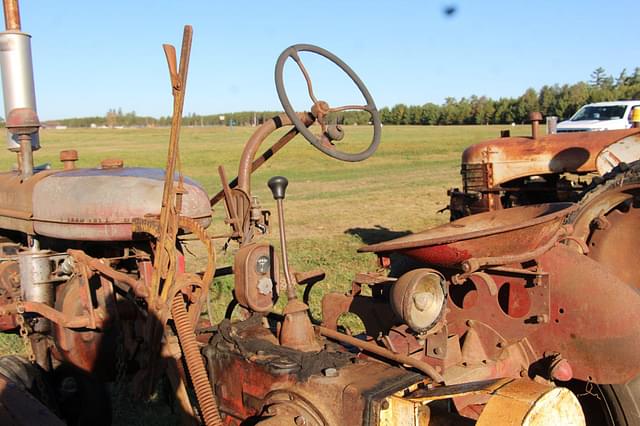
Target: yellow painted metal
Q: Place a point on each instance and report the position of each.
(404, 412)
(528, 403)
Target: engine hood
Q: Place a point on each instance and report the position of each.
(91, 204)
(589, 125)
(515, 157)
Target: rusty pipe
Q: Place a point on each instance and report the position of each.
(427, 369)
(535, 118)
(138, 287)
(49, 313)
(195, 365)
(259, 162)
(251, 147)
(11, 15)
(26, 160)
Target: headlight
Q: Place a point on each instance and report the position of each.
(418, 298)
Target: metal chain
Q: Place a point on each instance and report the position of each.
(121, 365)
(24, 332)
(31, 356)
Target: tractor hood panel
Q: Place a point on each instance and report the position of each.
(515, 157)
(100, 204)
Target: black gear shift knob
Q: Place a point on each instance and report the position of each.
(278, 186)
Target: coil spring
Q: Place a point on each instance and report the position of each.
(195, 365)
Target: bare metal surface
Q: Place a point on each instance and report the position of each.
(17, 79)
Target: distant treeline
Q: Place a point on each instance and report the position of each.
(561, 101)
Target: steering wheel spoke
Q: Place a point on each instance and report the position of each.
(323, 142)
(294, 55)
(349, 108)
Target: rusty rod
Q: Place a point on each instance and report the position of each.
(247, 163)
(49, 313)
(11, 15)
(138, 287)
(168, 218)
(427, 369)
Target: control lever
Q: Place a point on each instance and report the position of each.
(296, 331)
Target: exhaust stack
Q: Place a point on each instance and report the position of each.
(17, 71)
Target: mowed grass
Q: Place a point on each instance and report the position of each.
(332, 207)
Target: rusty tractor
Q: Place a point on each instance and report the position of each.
(502, 308)
(538, 253)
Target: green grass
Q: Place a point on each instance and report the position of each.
(332, 208)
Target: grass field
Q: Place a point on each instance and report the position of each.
(332, 208)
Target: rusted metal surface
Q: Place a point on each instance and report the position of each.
(521, 156)
(137, 286)
(100, 204)
(377, 350)
(535, 118)
(11, 15)
(9, 287)
(331, 392)
(257, 277)
(492, 234)
(68, 158)
(598, 344)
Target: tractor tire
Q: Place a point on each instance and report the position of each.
(26, 376)
(608, 221)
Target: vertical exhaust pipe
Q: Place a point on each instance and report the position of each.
(16, 69)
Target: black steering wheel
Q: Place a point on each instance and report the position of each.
(320, 109)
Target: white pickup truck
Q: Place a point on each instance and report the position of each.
(600, 116)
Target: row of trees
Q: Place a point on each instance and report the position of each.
(561, 101)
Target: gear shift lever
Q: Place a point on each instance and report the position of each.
(296, 331)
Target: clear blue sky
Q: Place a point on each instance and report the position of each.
(90, 56)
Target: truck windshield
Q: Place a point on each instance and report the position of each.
(612, 112)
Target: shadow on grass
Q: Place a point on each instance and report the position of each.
(376, 235)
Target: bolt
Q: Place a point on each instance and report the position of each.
(437, 350)
(384, 405)
(300, 421)
(330, 372)
(601, 223)
(541, 319)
